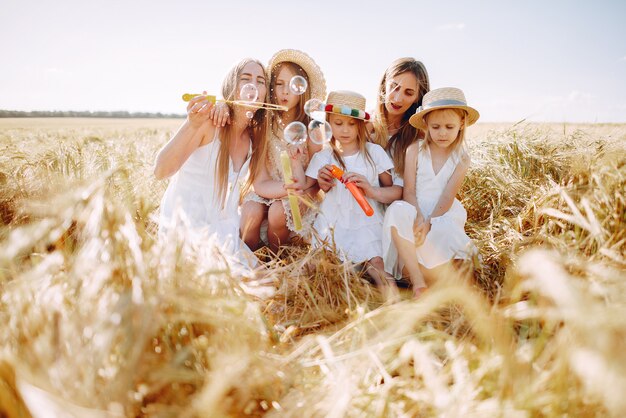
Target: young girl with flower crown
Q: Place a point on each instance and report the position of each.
(425, 231)
(341, 220)
(210, 165)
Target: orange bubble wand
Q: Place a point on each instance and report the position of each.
(255, 105)
(354, 189)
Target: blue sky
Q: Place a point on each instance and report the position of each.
(559, 61)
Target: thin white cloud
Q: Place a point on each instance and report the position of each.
(452, 26)
(578, 96)
(623, 58)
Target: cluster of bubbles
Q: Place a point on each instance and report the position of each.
(318, 131)
(296, 133)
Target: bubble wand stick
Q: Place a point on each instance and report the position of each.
(354, 189)
(293, 200)
(255, 105)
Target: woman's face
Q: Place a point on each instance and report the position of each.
(252, 73)
(284, 95)
(402, 90)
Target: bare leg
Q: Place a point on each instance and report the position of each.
(406, 253)
(277, 231)
(252, 214)
(384, 281)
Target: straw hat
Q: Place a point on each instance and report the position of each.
(317, 82)
(346, 103)
(443, 98)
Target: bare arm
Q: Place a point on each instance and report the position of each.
(265, 186)
(195, 131)
(409, 193)
(452, 188)
(387, 192)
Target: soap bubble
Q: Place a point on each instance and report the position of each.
(298, 85)
(249, 93)
(295, 133)
(320, 132)
(249, 114)
(315, 109)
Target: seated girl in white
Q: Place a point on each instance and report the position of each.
(341, 220)
(426, 230)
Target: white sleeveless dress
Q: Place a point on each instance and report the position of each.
(447, 239)
(191, 203)
(340, 218)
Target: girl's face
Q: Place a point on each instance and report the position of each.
(345, 129)
(402, 90)
(252, 73)
(284, 95)
(443, 126)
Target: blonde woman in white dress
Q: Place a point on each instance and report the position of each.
(211, 166)
(425, 230)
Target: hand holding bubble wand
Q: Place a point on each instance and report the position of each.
(295, 133)
(248, 94)
(320, 132)
(354, 189)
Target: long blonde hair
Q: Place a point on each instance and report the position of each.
(362, 137)
(407, 134)
(257, 130)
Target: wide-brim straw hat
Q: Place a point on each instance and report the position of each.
(346, 103)
(317, 82)
(443, 98)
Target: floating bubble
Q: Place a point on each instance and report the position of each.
(295, 133)
(249, 114)
(320, 132)
(298, 85)
(249, 93)
(315, 109)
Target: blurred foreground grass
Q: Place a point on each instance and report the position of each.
(100, 319)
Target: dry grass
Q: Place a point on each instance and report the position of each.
(101, 319)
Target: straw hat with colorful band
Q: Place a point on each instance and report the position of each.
(346, 103)
(317, 83)
(443, 98)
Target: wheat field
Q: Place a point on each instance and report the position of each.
(100, 319)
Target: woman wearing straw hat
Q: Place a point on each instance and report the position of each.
(425, 231)
(341, 220)
(269, 199)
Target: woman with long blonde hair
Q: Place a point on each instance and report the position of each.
(213, 166)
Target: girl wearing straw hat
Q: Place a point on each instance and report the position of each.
(211, 165)
(341, 220)
(400, 92)
(269, 199)
(425, 231)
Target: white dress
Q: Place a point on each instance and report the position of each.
(191, 204)
(340, 218)
(447, 239)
